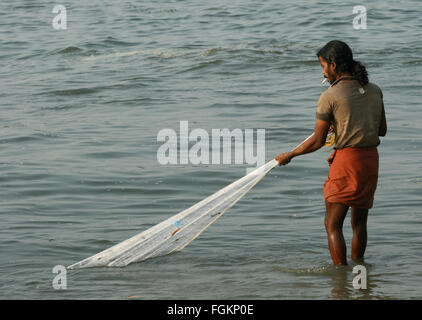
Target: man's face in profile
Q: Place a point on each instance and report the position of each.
(328, 70)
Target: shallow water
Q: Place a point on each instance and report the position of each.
(79, 117)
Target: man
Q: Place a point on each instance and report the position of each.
(354, 108)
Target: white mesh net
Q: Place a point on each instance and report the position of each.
(178, 231)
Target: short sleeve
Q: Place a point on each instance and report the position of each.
(324, 109)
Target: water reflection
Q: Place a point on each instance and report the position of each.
(343, 286)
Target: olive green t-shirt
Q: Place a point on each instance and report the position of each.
(354, 111)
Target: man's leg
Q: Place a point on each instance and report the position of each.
(334, 218)
(358, 221)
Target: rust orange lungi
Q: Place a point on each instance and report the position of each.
(353, 176)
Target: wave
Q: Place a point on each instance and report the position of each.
(322, 270)
(152, 53)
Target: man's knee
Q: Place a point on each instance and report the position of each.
(332, 225)
(359, 218)
(334, 216)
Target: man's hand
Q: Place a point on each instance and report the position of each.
(284, 158)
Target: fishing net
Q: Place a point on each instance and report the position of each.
(178, 231)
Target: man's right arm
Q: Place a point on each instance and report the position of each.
(317, 140)
(313, 143)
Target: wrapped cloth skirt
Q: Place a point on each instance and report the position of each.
(353, 177)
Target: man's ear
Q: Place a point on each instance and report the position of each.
(333, 65)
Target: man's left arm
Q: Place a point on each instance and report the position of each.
(382, 131)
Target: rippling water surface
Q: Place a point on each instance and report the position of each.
(79, 117)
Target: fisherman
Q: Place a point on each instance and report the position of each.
(353, 107)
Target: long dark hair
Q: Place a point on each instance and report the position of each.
(340, 53)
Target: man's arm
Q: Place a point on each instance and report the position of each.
(315, 142)
(383, 125)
